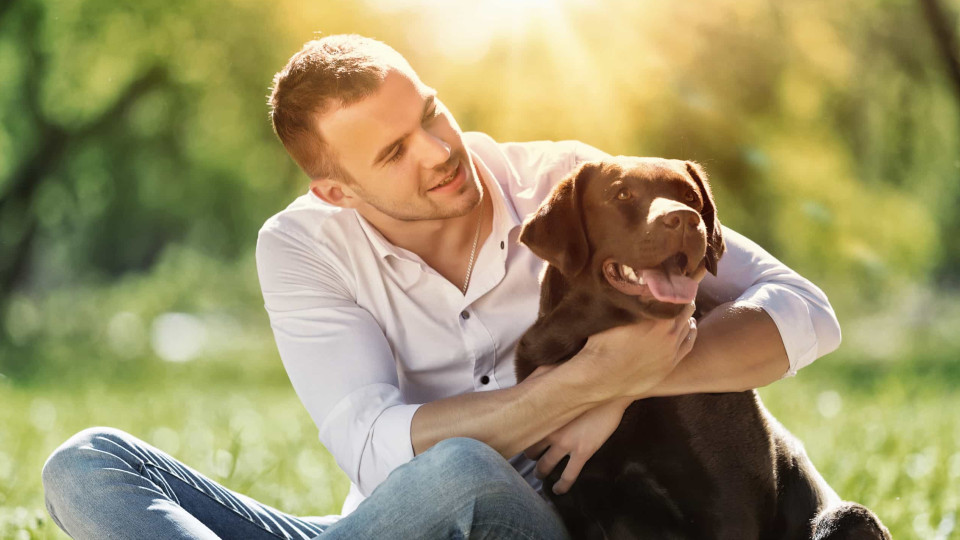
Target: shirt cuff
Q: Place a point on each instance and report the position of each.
(790, 313)
(389, 445)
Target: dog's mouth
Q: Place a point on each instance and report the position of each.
(670, 281)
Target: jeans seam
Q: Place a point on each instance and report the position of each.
(211, 497)
(512, 528)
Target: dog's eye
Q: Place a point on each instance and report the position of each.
(690, 196)
(623, 194)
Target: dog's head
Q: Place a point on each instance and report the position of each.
(642, 227)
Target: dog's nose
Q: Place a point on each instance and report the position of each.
(673, 220)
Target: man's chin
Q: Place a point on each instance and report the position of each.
(460, 199)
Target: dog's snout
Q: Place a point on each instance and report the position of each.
(676, 218)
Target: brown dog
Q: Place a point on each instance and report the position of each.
(629, 238)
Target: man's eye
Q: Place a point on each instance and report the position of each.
(397, 155)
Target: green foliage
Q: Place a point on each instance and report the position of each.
(145, 127)
(831, 133)
(117, 330)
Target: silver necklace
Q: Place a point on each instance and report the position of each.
(473, 251)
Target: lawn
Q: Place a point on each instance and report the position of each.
(883, 434)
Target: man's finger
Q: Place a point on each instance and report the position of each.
(680, 321)
(535, 451)
(569, 476)
(684, 329)
(687, 344)
(689, 325)
(549, 461)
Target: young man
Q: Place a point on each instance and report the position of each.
(397, 292)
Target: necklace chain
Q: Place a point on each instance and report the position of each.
(473, 251)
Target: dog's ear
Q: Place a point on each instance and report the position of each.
(715, 245)
(555, 233)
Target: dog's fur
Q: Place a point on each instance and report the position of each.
(695, 466)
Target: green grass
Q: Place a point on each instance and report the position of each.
(254, 438)
(883, 434)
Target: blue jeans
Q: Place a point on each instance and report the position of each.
(104, 483)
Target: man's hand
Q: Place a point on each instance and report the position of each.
(632, 359)
(579, 439)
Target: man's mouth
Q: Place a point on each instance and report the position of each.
(447, 179)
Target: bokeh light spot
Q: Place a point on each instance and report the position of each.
(178, 337)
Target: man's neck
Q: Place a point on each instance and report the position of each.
(444, 244)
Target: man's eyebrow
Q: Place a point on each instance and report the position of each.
(383, 153)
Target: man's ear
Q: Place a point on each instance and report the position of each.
(334, 192)
(715, 245)
(556, 233)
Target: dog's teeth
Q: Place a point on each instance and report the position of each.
(630, 274)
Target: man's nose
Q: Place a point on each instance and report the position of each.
(434, 150)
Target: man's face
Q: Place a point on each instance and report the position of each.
(404, 153)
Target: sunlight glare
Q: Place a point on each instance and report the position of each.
(465, 30)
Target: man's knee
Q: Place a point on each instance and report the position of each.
(467, 456)
(468, 486)
(471, 468)
(63, 473)
(462, 449)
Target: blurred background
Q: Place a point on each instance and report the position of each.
(137, 164)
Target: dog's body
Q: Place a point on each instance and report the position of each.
(696, 466)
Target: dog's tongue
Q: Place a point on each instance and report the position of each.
(673, 288)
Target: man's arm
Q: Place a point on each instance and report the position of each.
(738, 348)
(508, 419)
(765, 322)
(512, 419)
(768, 322)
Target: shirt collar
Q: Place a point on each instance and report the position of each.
(505, 217)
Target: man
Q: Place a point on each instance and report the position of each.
(397, 293)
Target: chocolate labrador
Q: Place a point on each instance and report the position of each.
(624, 240)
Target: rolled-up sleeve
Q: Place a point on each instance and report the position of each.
(748, 274)
(337, 358)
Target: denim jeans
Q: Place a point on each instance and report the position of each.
(104, 483)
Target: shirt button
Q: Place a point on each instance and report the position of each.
(484, 379)
(464, 314)
(501, 244)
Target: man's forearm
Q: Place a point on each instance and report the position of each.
(738, 347)
(617, 363)
(511, 419)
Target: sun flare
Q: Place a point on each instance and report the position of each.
(465, 29)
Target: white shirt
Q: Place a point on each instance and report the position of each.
(367, 331)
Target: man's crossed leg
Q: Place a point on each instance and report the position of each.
(104, 483)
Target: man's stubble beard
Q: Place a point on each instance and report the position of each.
(430, 210)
